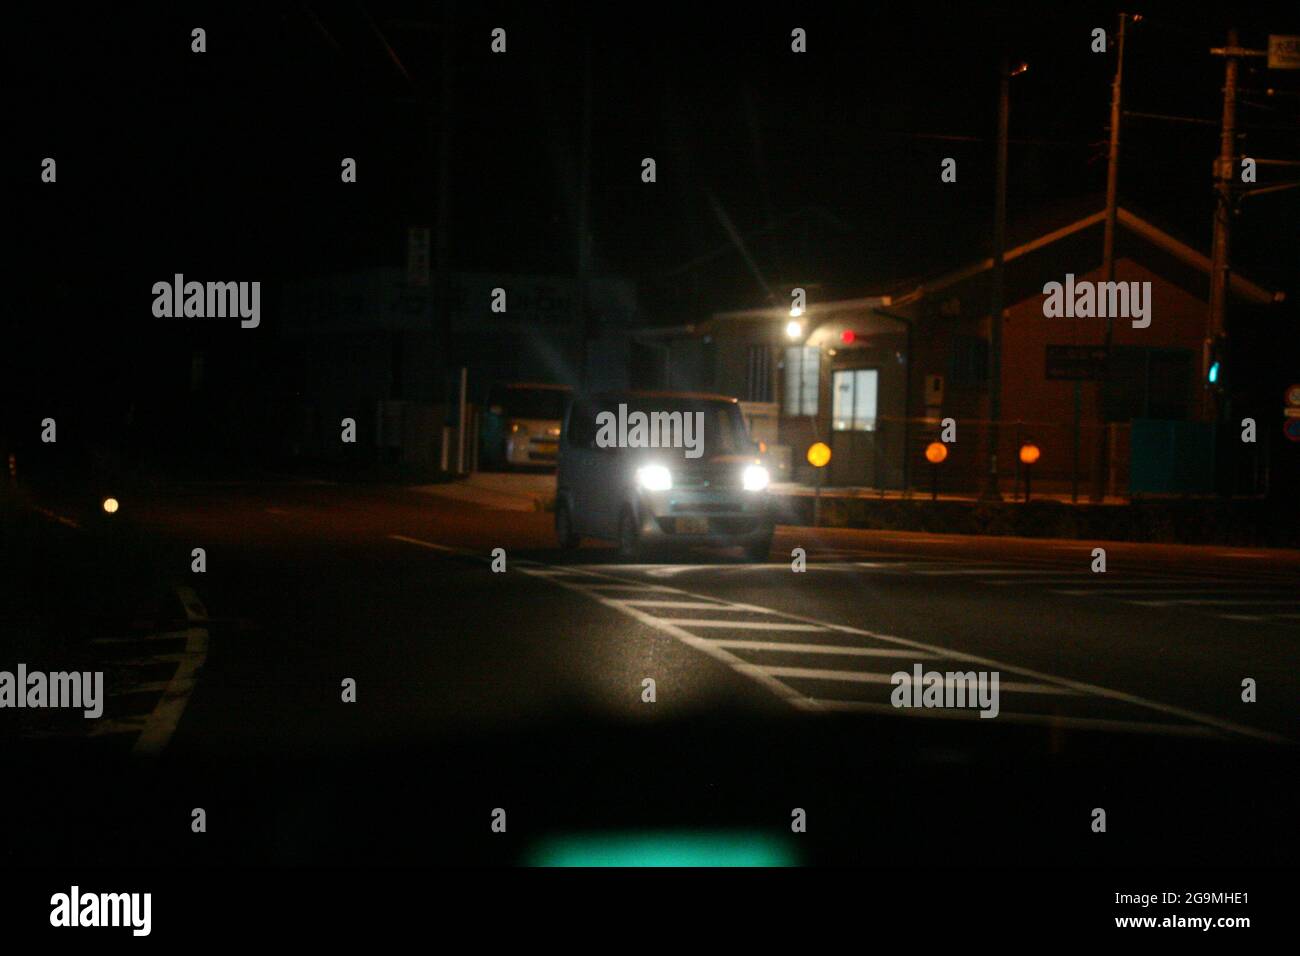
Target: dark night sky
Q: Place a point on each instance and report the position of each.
(226, 165)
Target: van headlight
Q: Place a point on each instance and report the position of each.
(654, 478)
(755, 478)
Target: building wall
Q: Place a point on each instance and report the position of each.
(1177, 322)
(367, 337)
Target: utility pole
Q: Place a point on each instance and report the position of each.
(991, 491)
(1224, 169)
(584, 215)
(442, 215)
(1108, 256)
(1112, 167)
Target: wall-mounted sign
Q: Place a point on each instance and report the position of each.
(1283, 52)
(1076, 363)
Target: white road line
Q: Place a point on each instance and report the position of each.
(1109, 591)
(423, 544)
(866, 677)
(151, 687)
(119, 725)
(180, 657)
(1051, 720)
(800, 700)
(685, 605)
(837, 649)
(1001, 572)
(782, 691)
(162, 723)
(627, 587)
(1259, 617)
(1215, 602)
(749, 625)
(195, 612)
(1100, 584)
(142, 639)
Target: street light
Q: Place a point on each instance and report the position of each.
(793, 330)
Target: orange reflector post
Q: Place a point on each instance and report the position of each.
(936, 452)
(819, 454)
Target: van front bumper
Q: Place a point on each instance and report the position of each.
(722, 519)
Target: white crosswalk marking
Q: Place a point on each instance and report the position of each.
(1271, 591)
(835, 649)
(625, 587)
(866, 677)
(750, 625)
(684, 605)
(1064, 702)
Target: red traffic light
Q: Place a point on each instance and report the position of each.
(848, 336)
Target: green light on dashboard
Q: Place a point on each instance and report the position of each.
(671, 848)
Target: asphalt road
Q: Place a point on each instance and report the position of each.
(525, 690)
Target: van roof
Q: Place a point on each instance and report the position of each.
(644, 393)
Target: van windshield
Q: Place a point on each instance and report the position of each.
(683, 427)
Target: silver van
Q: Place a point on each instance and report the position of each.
(659, 469)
